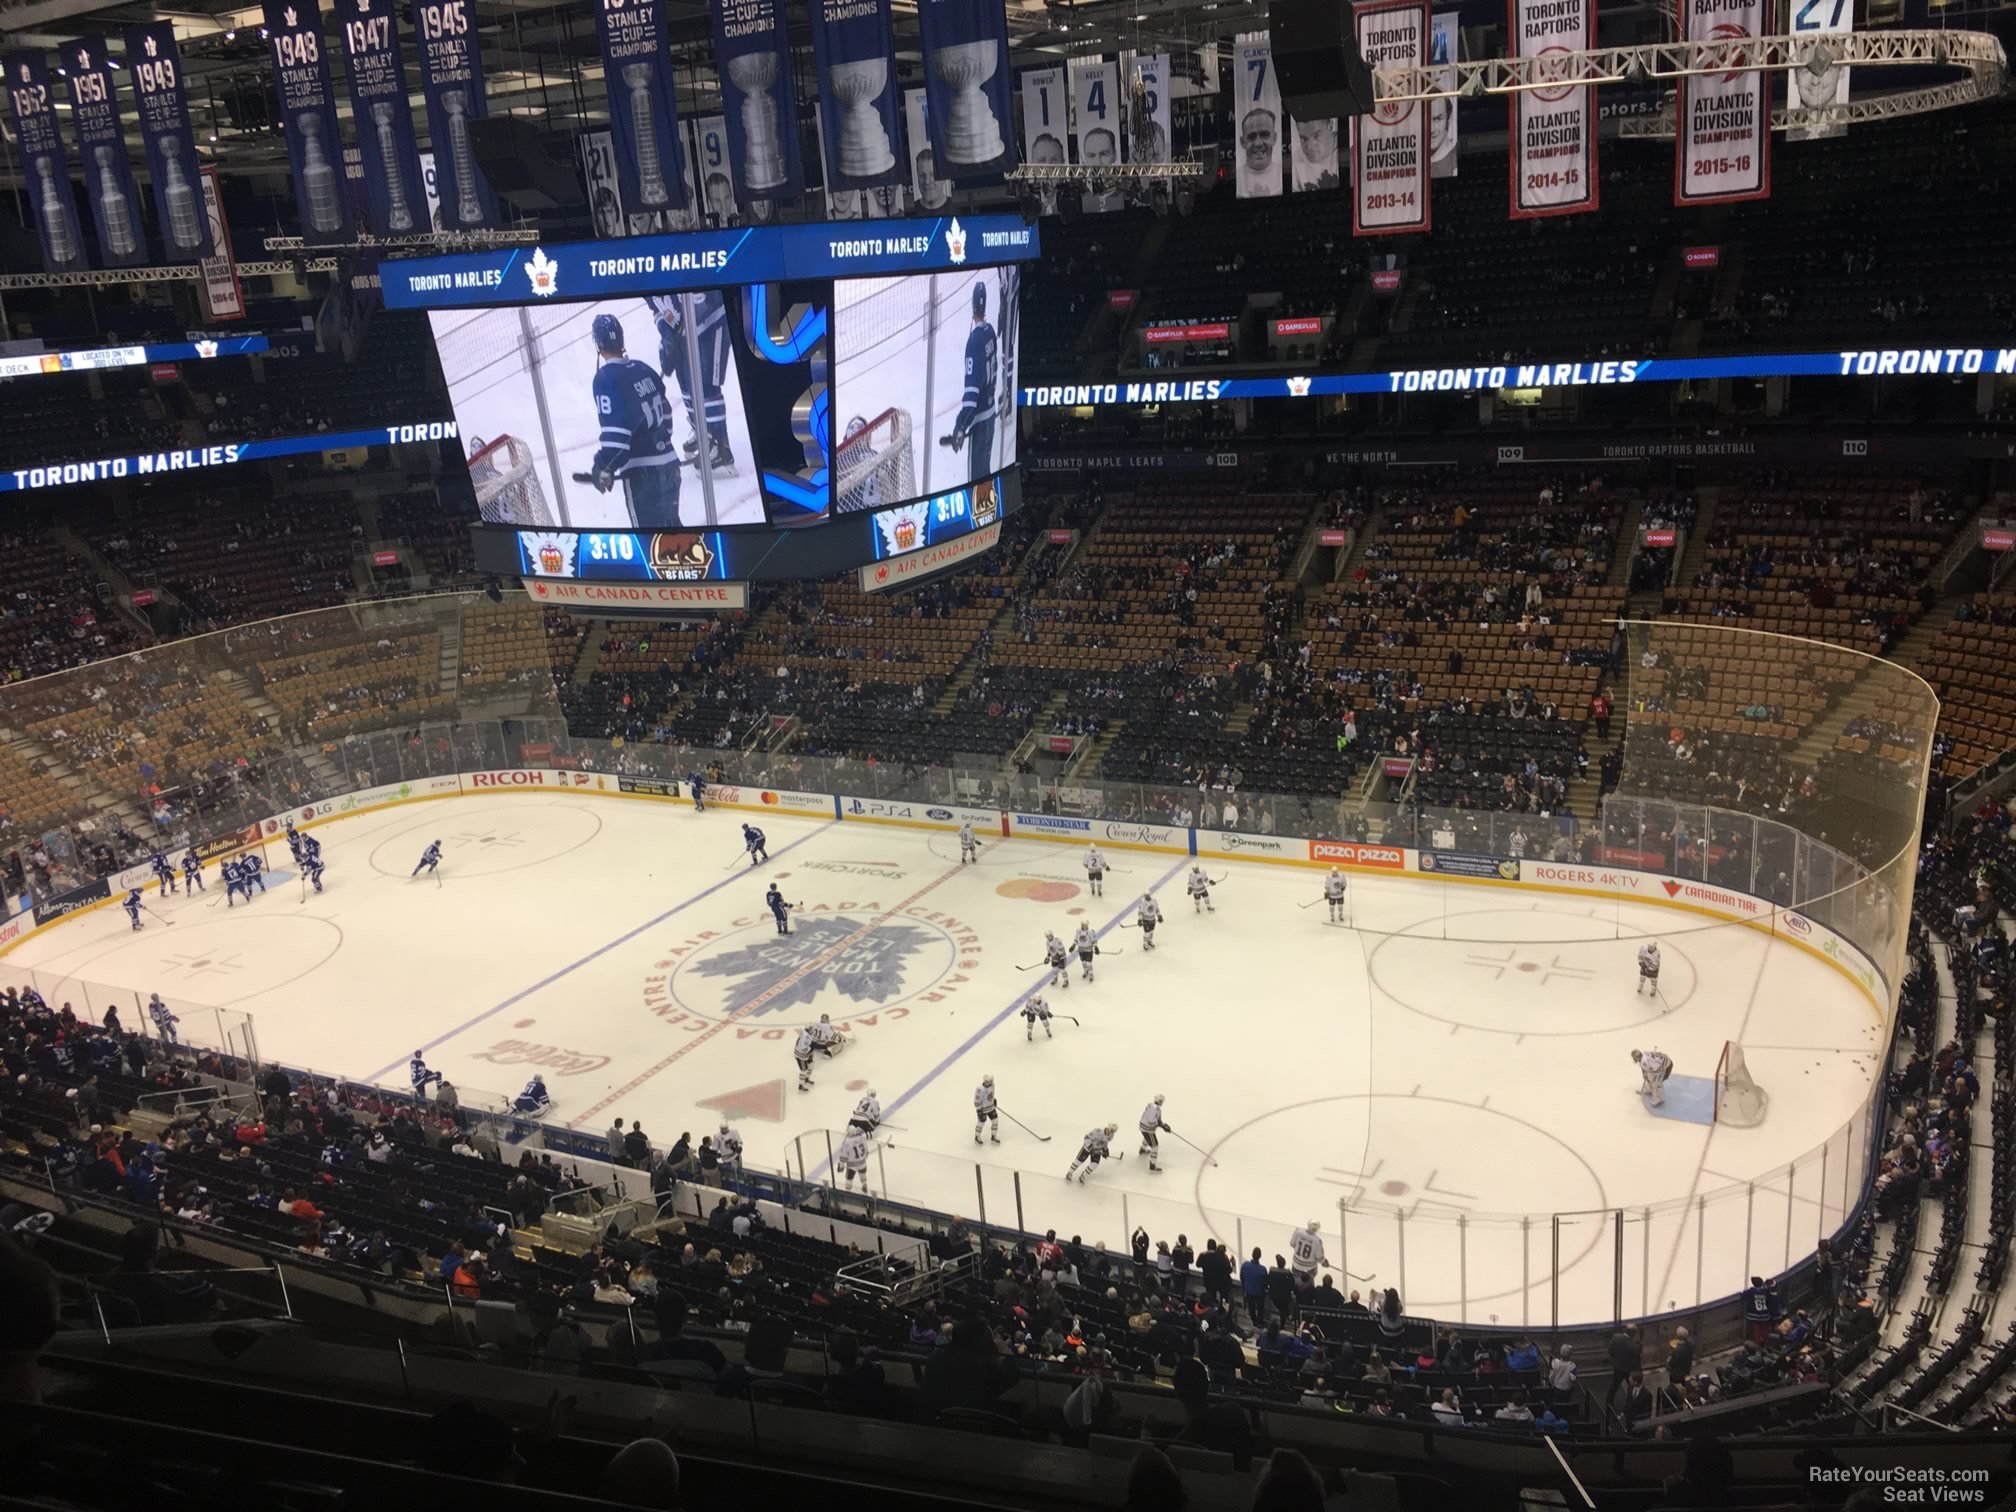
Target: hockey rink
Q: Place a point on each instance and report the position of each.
(1452, 1068)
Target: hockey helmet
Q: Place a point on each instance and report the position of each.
(1158, 1099)
(1112, 1129)
(979, 296)
(986, 1081)
(608, 333)
(825, 1018)
(871, 1092)
(1313, 1225)
(1637, 1055)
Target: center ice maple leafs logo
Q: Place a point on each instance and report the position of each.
(793, 970)
(544, 273)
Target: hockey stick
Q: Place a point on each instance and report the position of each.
(1032, 968)
(1116, 950)
(162, 917)
(1219, 881)
(1067, 1016)
(1040, 1138)
(1193, 1145)
(1312, 903)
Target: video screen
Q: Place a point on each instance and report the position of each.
(933, 522)
(621, 414)
(925, 382)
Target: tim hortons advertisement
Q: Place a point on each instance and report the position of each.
(1351, 853)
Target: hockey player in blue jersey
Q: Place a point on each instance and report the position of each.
(311, 868)
(422, 1076)
(636, 441)
(753, 838)
(705, 400)
(697, 786)
(192, 872)
(293, 842)
(252, 869)
(132, 907)
(164, 1018)
(164, 873)
(429, 858)
(533, 1101)
(779, 909)
(234, 883)
(975, 425)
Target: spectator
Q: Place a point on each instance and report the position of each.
(1288, 1484)
(637, 1148)
(618, 1142)
(1624, 1360)
(857, 1382)
(643, 1473)
(29, 1316)
(1679, 1357)
(1562, 1375)
(676, 1355)
(160, 1297)
(1153, 1484)
(1448, 1410)
(1253, 1284)
(1220, 1427)
(970, 1372)
(1281, 1289)
(1515, 1411)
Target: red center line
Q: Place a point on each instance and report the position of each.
(760, 1001)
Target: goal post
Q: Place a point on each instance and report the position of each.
(1739, 1101)
(876, 463)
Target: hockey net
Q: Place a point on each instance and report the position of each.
(876, 463)
(1739, 1101)
(508, 491)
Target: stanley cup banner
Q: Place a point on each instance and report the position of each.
(966, 82)
(860, 130)
(45, 169)
(308, 116)
(643, 104)
(1389, 144)
(932, 189)
(752, 43)
(1046, 127)
(1443, 54)
(451, 76)
(1256, 119)
(1096, 114)
(156, 67)
(395, 199)
(1722, 149)
(101, 140)
(1553, 157)
(1817, 78)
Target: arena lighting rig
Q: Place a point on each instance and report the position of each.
(1978, 55)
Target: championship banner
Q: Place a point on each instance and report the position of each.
(966, 84)
(878, 203)
(752, 45)
(451, 77)
(1095, 131)
(1444, 47)
(1389, 144)
(1256, 119)
(45, 167)
(1045, 126)
(711, 168)
(1722, 150)
(932, 190)
(643, 104)
(308, 116)
(101, 141)
(156, 66)
(394, 201)
(1553, 156)
(1816, 79)
(223, 295)
(1312, 154)
(860, 134)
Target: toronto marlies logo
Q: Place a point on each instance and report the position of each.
(865, 966)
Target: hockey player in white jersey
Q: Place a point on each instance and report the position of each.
(1095, 871)
(1036, 1011)
(1305, 1252)
(1334, 886)
(1147, 914)
(728, 1142)
(1152, 1124)
(852, 1158)
(969, 843)
(1086, 944)
(1200, 892)
(1654, 1066)
(986, 1112)
(1648, 968)
(801, 1052)
(827, 1040)
(1057, 958)
(867, 1114)
(1097, 1146)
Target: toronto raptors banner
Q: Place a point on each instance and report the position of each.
(1816, 79)
(156, 65)
(1443, 55)
(1723, 149)
(860, 134)
(1389, 144)
(308, 116)
(451, 76)
(1553, 157)
(966, 85)
(1256, 119)
(101, 141)
(45, 167)
(1096, 113)
(395, 203)
(752, 45)
(1045, 127)
(643, 108)
(932, 189)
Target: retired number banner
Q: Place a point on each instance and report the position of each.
(1389, 145)
(1553, 158)
(1096, 114)
(1256, 120)
(1046, 114)
(1444, 47)
(1722, 149)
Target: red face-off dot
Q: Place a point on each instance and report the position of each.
(856, 1085)
(523, 1023)
(1393, 1188)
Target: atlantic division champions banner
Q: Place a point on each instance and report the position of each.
(1722, 149)
(1553, 157)
(308, 116)
(156, 65)
(101, 141)
(1256, 120)
(1389, 144)
(43, 163)
(643, 105)
(395, 196)
(752, 44)
(860, 129)
(451, 75)
(966, 82)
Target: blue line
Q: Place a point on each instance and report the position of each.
(1005, 1014)
(593, 955)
